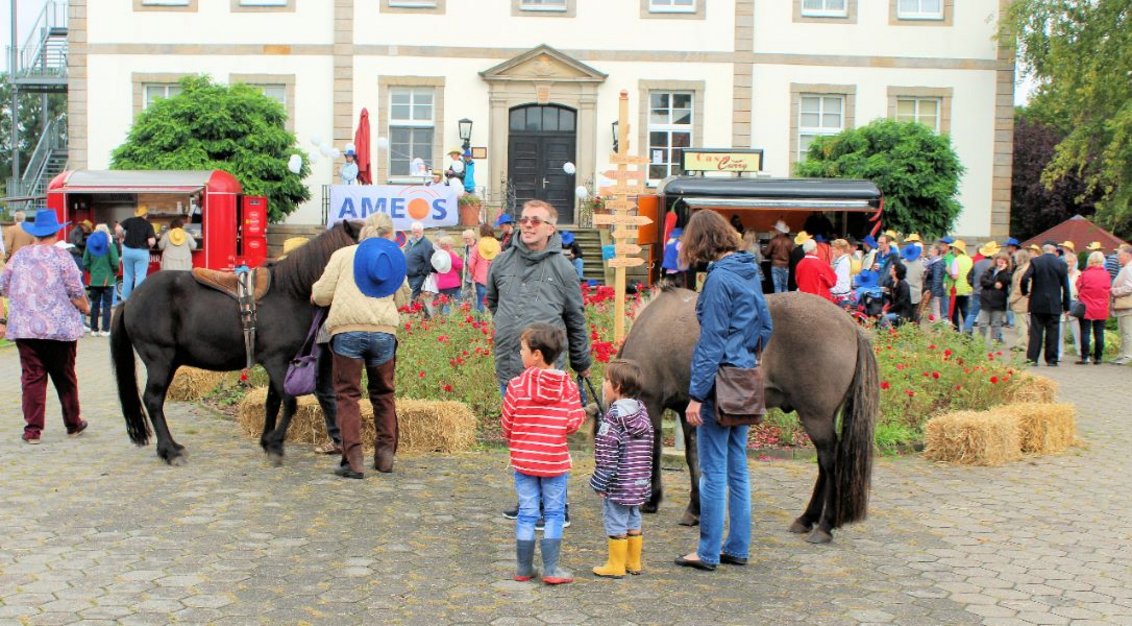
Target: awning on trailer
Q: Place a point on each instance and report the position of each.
(808, 194)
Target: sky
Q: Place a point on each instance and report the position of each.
(28, 11)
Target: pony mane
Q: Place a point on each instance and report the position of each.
(302, 267)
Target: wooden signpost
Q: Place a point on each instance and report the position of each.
(628, 184)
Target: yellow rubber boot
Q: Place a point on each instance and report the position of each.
(633, 560)
(615, 566)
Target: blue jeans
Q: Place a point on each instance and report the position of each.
(619, 519)
(100, 299)
(481, 293)
(375, 348)
(781, 278)
(579, 267)
(135, 265)
(973, 307)
(723, 472)
(532, 490)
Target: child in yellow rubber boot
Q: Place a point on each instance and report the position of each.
(623, 468)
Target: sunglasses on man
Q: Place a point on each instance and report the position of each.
(532, 220)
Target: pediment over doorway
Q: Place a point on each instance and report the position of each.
(545, 65)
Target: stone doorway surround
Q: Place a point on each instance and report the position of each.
(542, 75)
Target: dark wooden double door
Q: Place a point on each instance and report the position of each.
(541, 140)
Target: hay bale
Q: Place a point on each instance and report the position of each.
(1043, 428)
(191, 384)
(972, 438)
(423, 425)
(1032, 388)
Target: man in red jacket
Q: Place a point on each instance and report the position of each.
(814, 275)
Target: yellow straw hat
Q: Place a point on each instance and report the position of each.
(989, 248)
(913, 238)
(489, 247)
(960, 245)
(801, 238)
(1035, 248)
(141, 211)
(1094, 246)
(177, 236)
(1068, 245)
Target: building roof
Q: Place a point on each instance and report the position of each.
(823, 194)
(1080, 231)
(145, 181)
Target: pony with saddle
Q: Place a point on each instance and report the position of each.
(818, 363)
(194, 318)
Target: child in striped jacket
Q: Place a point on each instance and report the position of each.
(623, 473)
(540, 408)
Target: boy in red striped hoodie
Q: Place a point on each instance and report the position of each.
(540, 408)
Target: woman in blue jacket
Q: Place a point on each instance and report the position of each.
(735, 326)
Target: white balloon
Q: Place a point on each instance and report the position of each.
(295, 164)
(312, 159)
(316, 140)
(569, 168)
(382, 143)
(581, 192)
(336, 153)
(326, 150)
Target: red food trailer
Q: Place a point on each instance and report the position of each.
(230, 228)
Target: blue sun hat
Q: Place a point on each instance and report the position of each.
(379, 267)
(98, 244)
(567, 238)
(1010, 241)
(870, 241)
(947, 240)
(46, 223)
(504, 219)
(911, 252)
(867, 279)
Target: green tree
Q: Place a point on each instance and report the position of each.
(1081, 55)
(916, 169)
(211, 126)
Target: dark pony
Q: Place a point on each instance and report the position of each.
(818, 363)
(172, 320)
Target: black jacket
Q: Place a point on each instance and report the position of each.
(796, 255)
(1047, 284)
(990, 298)
(418, 258)
(900, 299)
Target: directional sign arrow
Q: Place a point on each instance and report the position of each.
(628, 261)
(628, 159)
(626, 248)
(637, 220)
(625, 232)
(618, 203)
(624, 175)
(621, 190)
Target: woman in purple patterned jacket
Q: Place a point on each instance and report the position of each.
(46, 302)
(623, 471)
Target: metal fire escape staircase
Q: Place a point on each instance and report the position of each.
(41, 68)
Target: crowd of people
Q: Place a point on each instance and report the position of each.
(986, 290)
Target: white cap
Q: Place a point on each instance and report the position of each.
(416, 226)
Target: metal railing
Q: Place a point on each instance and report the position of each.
(51, 143)
(44, 54)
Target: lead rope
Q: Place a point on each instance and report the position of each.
(245, 296)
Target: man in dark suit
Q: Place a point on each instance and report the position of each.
(1047, 284)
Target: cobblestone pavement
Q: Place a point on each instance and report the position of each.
(94, 530)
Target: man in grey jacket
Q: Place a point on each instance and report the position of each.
(532, 282)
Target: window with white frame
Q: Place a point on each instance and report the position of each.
(825, 8)
(542, 5)
(672, 6)
(263, 3)
(413, 4)
(818, 115)
(670, 130)
(411, 127)
(275, 91)
(922, 110)
(919, 9)
(152, 92)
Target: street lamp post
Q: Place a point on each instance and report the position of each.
(466, 132)
(616, 143)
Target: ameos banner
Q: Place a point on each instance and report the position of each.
(433, 206)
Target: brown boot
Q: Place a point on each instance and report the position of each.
(381, 390)
(347, 389)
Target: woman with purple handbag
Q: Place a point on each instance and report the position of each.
(364, 285)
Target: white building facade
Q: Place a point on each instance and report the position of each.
(540, 80)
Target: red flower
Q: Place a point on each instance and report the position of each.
(909, 392)
(409, 326)
(994, 380)
(931, 347)
(447, 388)
(958, 387)
(935, 375)
(884, 384)
(421, 374)
(442, 338)
(947, 353)
(900, 367)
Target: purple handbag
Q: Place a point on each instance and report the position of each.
(302, 373)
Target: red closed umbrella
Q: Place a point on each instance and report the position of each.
(361, 146)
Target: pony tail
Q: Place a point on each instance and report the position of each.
(125, 372)
(854, 456)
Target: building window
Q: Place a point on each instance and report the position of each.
(165, 3)
(264, 3)
(825, 8)
(818, 115)
(542, 5)
(413, 6)
(277, 92)
(411, 128)
(923, 110)
(672, 6)
(919, 9)
(152, 92)
(670, 131)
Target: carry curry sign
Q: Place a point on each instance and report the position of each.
(722, 160)
(432, 206)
